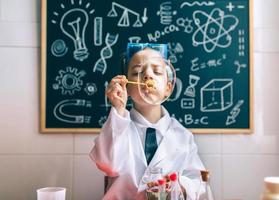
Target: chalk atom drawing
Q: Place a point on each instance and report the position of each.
(211, 33)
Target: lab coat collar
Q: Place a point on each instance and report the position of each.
(162, 125)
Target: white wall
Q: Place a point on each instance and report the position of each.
(30, 160)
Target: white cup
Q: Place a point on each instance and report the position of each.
(51, 193)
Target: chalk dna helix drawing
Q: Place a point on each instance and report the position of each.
(214, 30)
(106, 52)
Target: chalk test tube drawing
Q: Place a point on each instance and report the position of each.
(216, 95)
(59, 48)
(107, 105)
(166, 13)
(69, 80)
(196, 3)
(62, 106)
(98, 31)
(193, 81)
(124, 21)
(213, 29)
(234, 113)
(106, 52)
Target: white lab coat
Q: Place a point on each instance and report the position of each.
(119, 153)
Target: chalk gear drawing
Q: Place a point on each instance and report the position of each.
(69, 80)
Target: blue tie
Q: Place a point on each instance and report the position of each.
(150, 144)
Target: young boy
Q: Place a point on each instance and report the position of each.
(133, 141)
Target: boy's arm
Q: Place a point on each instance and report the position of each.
(190, 178)
(111, 146)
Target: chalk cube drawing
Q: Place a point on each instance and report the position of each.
(217, 95)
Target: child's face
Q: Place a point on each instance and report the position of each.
(145, 66)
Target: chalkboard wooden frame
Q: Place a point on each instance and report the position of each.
(43, 86)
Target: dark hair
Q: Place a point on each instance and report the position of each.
(124, 61)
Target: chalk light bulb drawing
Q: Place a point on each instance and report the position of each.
(73, 24)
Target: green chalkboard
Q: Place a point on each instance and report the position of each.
(209, 45)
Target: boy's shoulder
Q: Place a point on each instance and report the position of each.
(179, 128)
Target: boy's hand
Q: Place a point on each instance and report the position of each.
(117, 93)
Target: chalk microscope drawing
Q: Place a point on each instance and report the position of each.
(124, 20)
(73, 24)
(70, 118)
(106, 52)
(211, 33)
(59, 48)
(69, 80)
